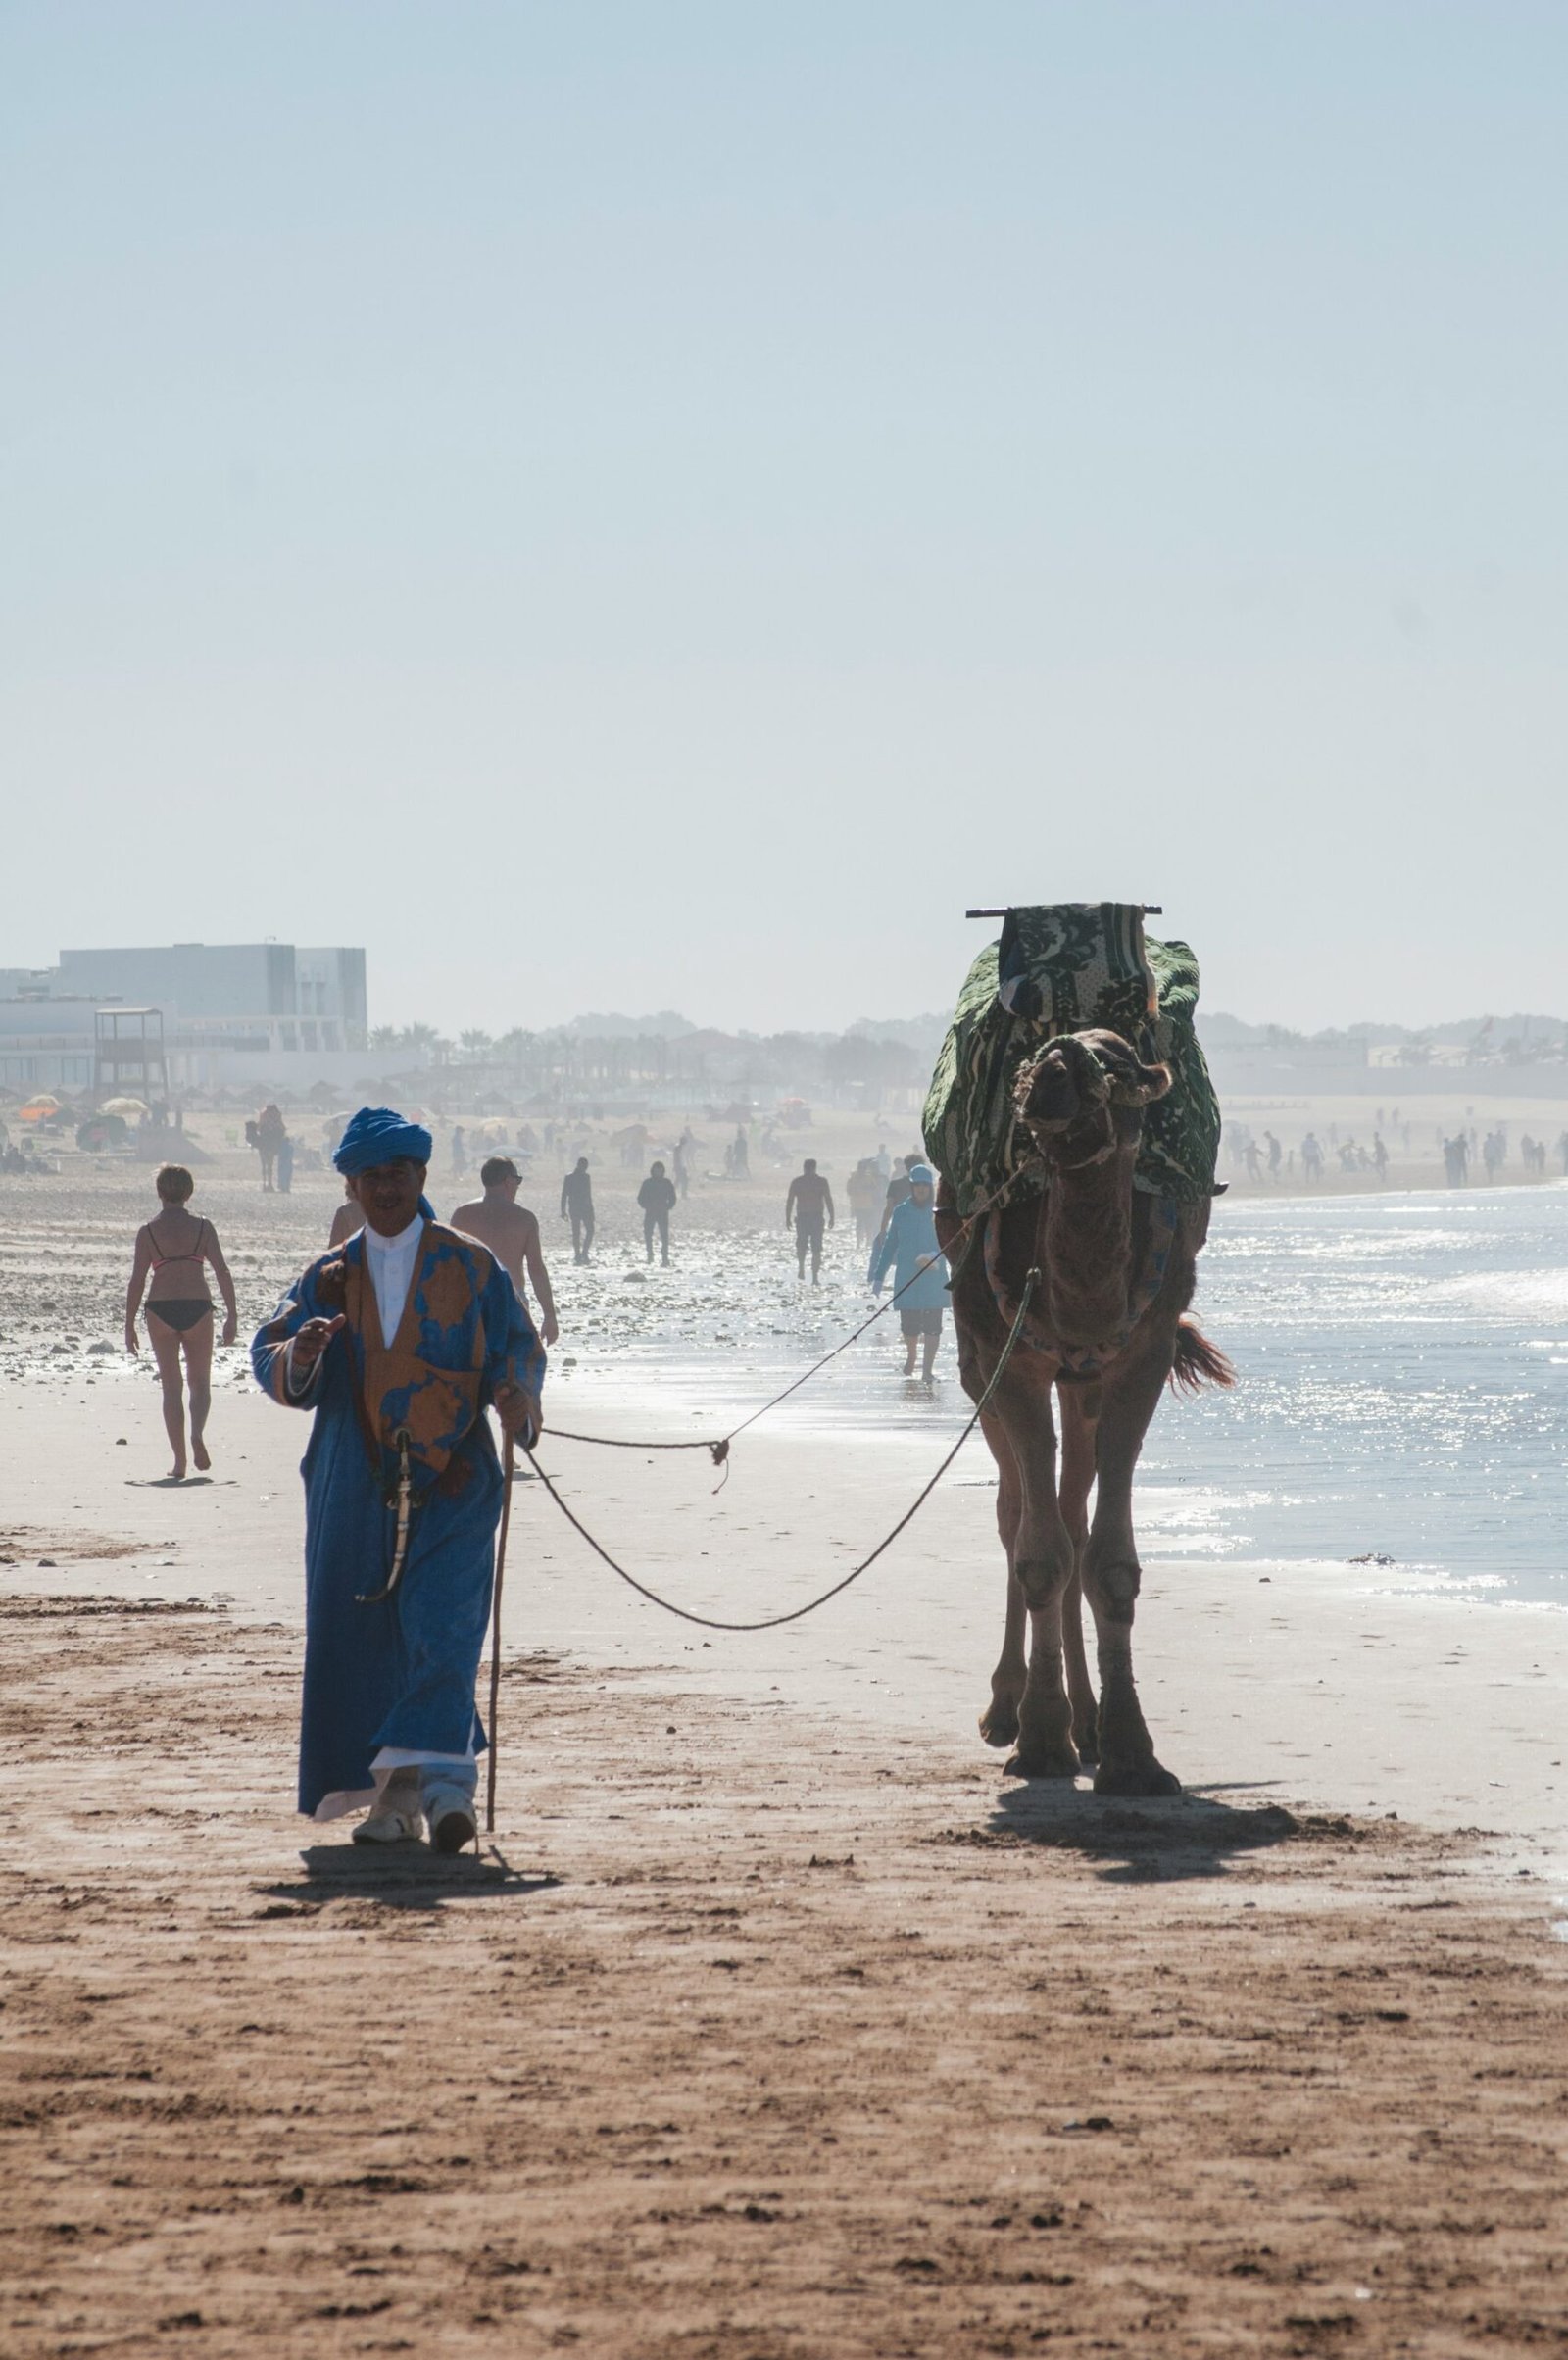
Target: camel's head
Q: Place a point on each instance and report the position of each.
(1083, 1097)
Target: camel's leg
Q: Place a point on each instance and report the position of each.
(1080, 1409)
(1043, 1565)
(1111, 1576)
(998, 1723)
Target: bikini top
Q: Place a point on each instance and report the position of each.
(161, 1260)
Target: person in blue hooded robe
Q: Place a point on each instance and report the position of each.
(907, 1249)
(399, 1340)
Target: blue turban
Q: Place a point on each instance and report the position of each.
(378, 1136)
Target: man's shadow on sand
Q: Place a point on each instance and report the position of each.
(1134, 1841)
(401, 1876)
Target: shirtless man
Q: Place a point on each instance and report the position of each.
(808, 1199)
(348, 1219)
(511, 1233)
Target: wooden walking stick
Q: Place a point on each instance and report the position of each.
(495, 1637)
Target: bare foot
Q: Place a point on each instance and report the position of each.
(176, 1473)
(199, 1452)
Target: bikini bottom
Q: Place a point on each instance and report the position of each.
(181, 1311)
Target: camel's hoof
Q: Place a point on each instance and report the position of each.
(998, 1723)
(1054, 1762)
(1086, 1742)
(1136, 1774)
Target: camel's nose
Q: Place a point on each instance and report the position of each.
(1054, 1097)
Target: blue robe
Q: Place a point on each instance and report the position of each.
(399, 1674)
(910, 1238)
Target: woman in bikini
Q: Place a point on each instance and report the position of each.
(174, 1248)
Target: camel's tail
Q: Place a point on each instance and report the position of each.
(1197, 1361)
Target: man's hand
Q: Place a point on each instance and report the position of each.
(311, 1341)
(520, 1414)
(550, 1333)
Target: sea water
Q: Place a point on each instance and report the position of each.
(1402, 1388)
(1401, 1366)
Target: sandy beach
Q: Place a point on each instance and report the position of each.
(776, 2020)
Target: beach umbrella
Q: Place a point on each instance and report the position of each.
(122, 1105)
(37, 1107)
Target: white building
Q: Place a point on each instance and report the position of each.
(236, 1014)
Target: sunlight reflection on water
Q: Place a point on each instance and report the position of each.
(1402, 1388)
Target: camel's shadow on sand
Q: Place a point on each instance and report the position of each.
(401, 1876)
(1133, 1841)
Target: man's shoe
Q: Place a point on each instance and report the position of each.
(452, 1819)
(391, 1823)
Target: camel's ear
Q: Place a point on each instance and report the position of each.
(1139, 1084)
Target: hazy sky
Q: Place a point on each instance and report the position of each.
(663, 504)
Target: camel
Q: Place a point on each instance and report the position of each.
(1106, 1327)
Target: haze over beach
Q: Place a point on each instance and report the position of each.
(728, 738)
(777, 482)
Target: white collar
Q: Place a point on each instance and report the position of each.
(404, 1239)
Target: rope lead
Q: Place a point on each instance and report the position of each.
(772, 1622)
(720, 1447)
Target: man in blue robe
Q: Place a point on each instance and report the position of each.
(399, 1340)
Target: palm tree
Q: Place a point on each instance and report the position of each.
(384, 1036)
(476, 1042)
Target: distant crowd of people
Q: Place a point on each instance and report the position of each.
(1266, 1161)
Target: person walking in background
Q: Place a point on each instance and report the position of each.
(658, 1199)
(511, 1233)
(908, 1248)
(678, 1159)
(809, 1198)
(898, 1191)
(740, 1155)
(864, 1188)
(346, 1221)
(1380, 1158)
(578, 1206)
(1312, 1158)
(174, 1252)
(285, 1164)
(460, 1152)
(265, 1135)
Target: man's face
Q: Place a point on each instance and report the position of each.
(388, 1194)
(922, 1192)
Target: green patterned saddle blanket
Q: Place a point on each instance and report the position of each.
(1060, 967)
